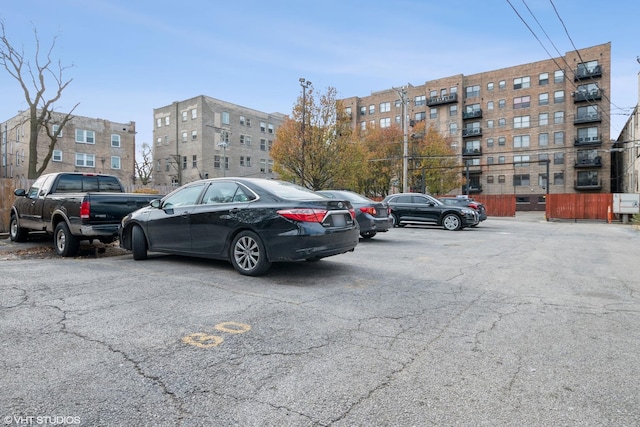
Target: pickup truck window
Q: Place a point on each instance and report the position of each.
(35, 188)
(83, 183)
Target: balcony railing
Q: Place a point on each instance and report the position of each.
(445, 99)
(587, 118)
(592, 95)
(471, 132)
(596, 162)
(588, 185)
(588, 140)
(588, 73)
(472, 151)
(475, 114)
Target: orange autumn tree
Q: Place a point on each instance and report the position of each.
(384, 160)
(321, 156)
(434, 164)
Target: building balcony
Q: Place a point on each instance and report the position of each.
(471, 132)
(593, 140)
(475, 114)
(583, 96)
(589, 163)
(473, 188)
(587, 118)
(446, 99)
(472, 151)
(588, 73)
(589, 185)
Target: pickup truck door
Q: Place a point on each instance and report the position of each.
(168, 226)
(31, 206)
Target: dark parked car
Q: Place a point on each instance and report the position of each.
(373, 217)
(250, 222)
(422, 208)
(468, 202)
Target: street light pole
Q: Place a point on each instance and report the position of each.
(305, 84)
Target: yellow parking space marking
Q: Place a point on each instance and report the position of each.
(232, 327)
(202, 340)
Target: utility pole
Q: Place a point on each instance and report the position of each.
(402, 92)
(305, 84)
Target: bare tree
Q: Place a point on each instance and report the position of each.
(144, 167)
(34, 81)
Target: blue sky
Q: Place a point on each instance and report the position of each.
(131, 56)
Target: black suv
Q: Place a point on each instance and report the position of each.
(422, 208)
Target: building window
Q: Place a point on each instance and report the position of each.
(501, 179)
(521, 102)
(85, 136)
(521, 122)
(347, 111)
(158, 141)
(587, 178)
(194, 114)
(543, 99)
(588, 134)
(490, 86)
(489, 124)
(115, 162)
(502, 103)
(420, 116)
(363, 125)
(56, 130)
(420, 100)
(453, 110)
(263, 165)
(270, 129)
(558, 178)
(372, 109)
(194, 161)
(167, 164)
(543, 139)
(363, 111)
(194, 135)
(263, 127)
(225, 118)
(502, 84)
(558, 76)
(558, 117)
(502, 122)
(115, 140)
(241, 160)
(453, 128)
(558, 97)
(542, 180)
(520, 141)
(558, 158)
(520, 161)
(184, 136)
(543, 119)
(433, 113)
(472, 91)
(490, 142)
(502, 160)
(167, 120)
(184, 162)
(490, 179)
(158, 165)
(385, 107)
(385, 122)
(242, 121)
(502, 140)
(85, 160)
(543, 158)
(521, 180)
(490, 160)
(263, 144)
(543, 79)
(56, 156)
(558, 138)
(490, 105)
(589, 112)
(522, 82)
(158, 123)
(216, 161)
(184, 116)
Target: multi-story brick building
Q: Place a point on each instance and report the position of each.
(509, 125)
(625, 162)
(85, 144)
(204, 137)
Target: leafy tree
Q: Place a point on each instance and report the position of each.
(144, 168)
(323, 156)
(34, 80)
(383, 147)
(435, 168)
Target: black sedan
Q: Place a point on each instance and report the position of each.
(409, 208)
(250, 222)
(373, 217)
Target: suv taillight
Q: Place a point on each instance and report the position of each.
(85, 210)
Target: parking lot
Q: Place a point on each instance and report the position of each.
(516, 322)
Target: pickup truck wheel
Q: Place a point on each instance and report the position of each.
(16, 233)
(66, 244)
(248, 255)
(452, 222)
(138, 243)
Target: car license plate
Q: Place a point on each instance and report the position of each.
(339, 221)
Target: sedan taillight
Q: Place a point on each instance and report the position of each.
(369, 209)
(304, 215)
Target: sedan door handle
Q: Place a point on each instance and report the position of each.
(185, 214)
(234, 210)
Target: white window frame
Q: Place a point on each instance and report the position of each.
(84, 160)
(85, 136)
(56, 156)
(115, 162)
(115, 140)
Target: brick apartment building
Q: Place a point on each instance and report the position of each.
(204, 137)
(85, 145)
(506, 124)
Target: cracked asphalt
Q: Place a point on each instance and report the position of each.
(517, 322)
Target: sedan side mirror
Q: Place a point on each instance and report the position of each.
(156, 203)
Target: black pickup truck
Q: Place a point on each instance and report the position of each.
(73, 207)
